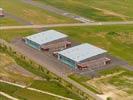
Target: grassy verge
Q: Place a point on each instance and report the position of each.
(107, 10)
(8, 21)
(3, 97)
(9, 35)
(54, 87)
(27, 64)
(81, 80)
(24, 94)
(122, 81)
(8, 71)
(32, 14)
(116, 80)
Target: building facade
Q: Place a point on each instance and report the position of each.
(43, 38)
(80, 54)
(32, 44)
(71, 63)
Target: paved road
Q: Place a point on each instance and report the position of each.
(8, 96)
(36, 90)
(52, 65)
(58, 11)
(66, 25)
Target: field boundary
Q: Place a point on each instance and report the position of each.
(8, 96)
(36, 90)
(66, 25)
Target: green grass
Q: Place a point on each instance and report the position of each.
(9, 35)
(24, 94)
(87, 9)
(54, 87)
(8, 21)
(82, 80)
(3, 97)
(112, 70)
(123, 81)
(79, 78)
(31, 13)
(6, 72)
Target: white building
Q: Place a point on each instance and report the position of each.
(80, 53)
(43, 38)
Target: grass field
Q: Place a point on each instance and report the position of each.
(9, 72)
(123, 80)
(82, 80)
(53, 87)
(105, 10)
(24, 94)
(8, 21)
(3, 97)
(116, 83)
(9, 35)
(31, 14)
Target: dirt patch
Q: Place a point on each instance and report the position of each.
(30, 12)
(105, 77)
(125, 38)
(114, 93)
(128, 78)
(14, 68)
(13, 72)
(110, 90)
(110, 13)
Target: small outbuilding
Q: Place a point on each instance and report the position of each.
(42, 39)
(1, 12)
(81, 54)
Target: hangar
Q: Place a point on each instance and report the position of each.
(83, 56)
(42, 39)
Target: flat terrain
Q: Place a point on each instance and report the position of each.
(31, 14)
(8, 21)
(22, 93)
(116, 83)
(9, 35)
(105, 10)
